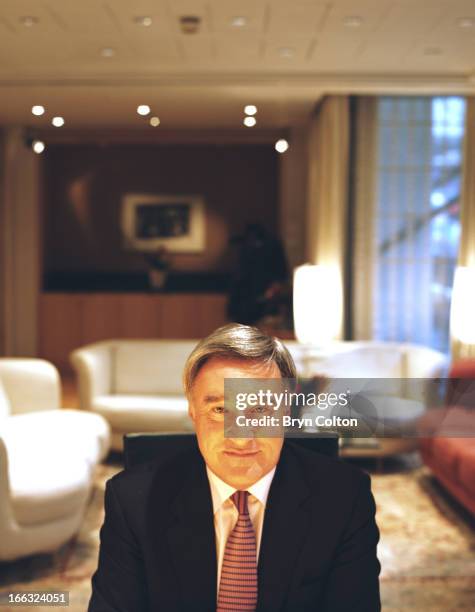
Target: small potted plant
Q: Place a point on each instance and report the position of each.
(159, 262)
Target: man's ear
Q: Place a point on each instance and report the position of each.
(191, 409)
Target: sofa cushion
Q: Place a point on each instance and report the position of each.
(455, 459)
(85, 433)
(446, 455)
(4, 403)
(150, 366)
(46, 484)
(364, 363)
(368, 365)
(140, 413)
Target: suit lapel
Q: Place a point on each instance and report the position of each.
(285, 524)
(190, 536)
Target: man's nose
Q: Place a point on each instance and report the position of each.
(242, 443)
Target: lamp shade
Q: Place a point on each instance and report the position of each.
(462, 313)
(317, 300)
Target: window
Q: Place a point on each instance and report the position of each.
(415, 227)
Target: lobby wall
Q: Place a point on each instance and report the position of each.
(83, 186)
(61, 209)
(19, 244)
(293, 196)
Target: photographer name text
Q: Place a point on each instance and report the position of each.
(294, 422)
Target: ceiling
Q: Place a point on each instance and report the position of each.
(286, 55)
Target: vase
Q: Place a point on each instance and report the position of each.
(157, 279)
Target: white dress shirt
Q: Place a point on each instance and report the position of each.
(226, 513)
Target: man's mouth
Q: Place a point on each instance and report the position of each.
(233, 453)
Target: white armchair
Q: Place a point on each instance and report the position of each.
(47, 459)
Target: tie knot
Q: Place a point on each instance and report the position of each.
(240, 501)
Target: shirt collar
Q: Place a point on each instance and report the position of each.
(221, 491)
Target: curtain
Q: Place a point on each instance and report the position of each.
(327, 201)
(364, 241)
(3, 250)
(467, 215)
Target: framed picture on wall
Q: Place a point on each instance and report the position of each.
(151, 221)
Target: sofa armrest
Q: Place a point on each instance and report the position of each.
(30, 384)
(424, 368)
(93, 367)
(5, 506)
(424, 362)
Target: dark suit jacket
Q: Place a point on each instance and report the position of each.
(318, 548)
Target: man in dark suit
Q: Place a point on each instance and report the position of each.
(246, 524)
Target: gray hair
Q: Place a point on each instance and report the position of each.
(236, 341)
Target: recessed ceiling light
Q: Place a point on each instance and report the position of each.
(154, 121)
(281, 145)
(38, 110)
(353, 21)
(286, 52)
(143, 20)
(466, 22)
(143, 109)
(432, 51)
(29, 21)
(250, 109)
(107, 52)
(238, 22)
(38, 146)
(190, 24)
(250, 121)
(57, 121)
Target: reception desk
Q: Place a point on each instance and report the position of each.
(70, 320)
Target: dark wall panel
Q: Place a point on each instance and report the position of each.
(83, 187)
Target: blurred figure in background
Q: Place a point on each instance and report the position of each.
(259, 284)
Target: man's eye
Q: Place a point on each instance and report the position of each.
(218, 409)
(262, 409)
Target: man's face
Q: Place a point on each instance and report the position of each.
(240, 462)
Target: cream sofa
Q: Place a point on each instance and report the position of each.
(402, 397)
(47, 459)
(136, 384)
(368, 358)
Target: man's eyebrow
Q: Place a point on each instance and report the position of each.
(209, 399)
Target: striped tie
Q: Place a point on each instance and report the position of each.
(238, 584)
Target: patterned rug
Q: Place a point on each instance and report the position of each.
(427, 547)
